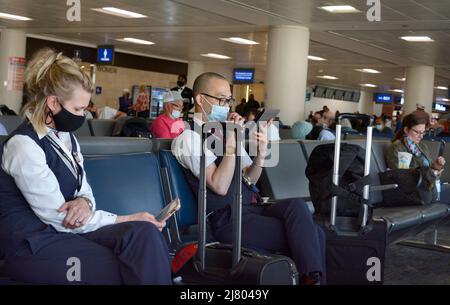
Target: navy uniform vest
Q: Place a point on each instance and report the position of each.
(19, 226)
(215, 201)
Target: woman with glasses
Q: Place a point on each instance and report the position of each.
(409, 151)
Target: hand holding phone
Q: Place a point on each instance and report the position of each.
(168, 210)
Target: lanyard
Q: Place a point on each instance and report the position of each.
(77, 169)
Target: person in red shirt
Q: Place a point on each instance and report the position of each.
(169, 124)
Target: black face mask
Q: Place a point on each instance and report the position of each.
(180, 83)
(67, 121)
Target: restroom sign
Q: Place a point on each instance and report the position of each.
(16, 73)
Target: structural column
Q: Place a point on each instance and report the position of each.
(12, 64)
(419, 88)
(287, 70)
(195, 68)
(366, 103)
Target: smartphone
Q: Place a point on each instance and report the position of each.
(169, 210)
(442, 148)
(266, 114)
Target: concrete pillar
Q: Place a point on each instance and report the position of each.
(195, 68)
(419, 88)
(287, 69)
(12, 56)
(366, 103)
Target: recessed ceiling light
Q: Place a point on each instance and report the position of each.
(441, 88)
(369, 85)
(339, 9)
(14, 17)
(400, 79)
(214, 55)
(417, 38)
(135, 40)
(327, 77)
(310, 57)
(119, 12)
(367, 70)
(239, 40)
(397, 90)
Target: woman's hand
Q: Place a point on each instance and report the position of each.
(142, 216)
(77, 211)
(438, 164)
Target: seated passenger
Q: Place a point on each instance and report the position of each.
(327, 120)
(3, 131)
(169, 124)
(47, 208)
(381, 128)
(301, 129)
(409, 140)
(286, 226)
(125, 101)
(102, 113)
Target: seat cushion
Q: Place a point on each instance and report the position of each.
(126, 184)
(180, 188)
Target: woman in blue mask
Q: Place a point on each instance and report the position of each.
(169, 124)
(47, 209)
(409, 151)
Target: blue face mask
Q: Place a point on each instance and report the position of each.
(218, 114)
(176, 114)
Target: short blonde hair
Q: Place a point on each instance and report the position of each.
(51, 74)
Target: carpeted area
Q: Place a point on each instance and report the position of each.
(414, 266)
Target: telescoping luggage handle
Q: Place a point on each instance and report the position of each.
(202, 196)
(337, 150)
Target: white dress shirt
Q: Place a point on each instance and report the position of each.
(25, 161)
(186, 149)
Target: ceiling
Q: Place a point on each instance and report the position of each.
(184, 29)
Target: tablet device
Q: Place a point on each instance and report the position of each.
(266, 114)
(168, 210)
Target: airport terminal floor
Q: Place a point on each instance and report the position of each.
(251, 145)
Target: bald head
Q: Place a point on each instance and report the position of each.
(202, 82)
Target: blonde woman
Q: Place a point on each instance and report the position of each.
(142, 105)
(47, 209)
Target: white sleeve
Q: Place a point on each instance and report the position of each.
(186, 149)
(25, 161)
(99, 218)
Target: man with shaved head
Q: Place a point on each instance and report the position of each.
(286, 226)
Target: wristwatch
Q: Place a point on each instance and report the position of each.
(89, 202)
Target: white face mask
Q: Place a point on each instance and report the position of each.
(379, 127)
(176, 114)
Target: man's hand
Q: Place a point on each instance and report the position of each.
(142, 216)
(77, 212)
(262, 138)
(230, 148)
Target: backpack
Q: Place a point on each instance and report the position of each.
(131, 127)
(319, 171)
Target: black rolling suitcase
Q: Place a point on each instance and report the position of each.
(356, 244)
(218, 263)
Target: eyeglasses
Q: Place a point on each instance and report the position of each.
(223, 101)
(420, 133)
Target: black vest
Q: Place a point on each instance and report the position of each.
(19, 225)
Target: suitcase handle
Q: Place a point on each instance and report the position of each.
(335, 181)
(368, 119)
(202, 196)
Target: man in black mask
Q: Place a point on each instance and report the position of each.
(186, 93)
